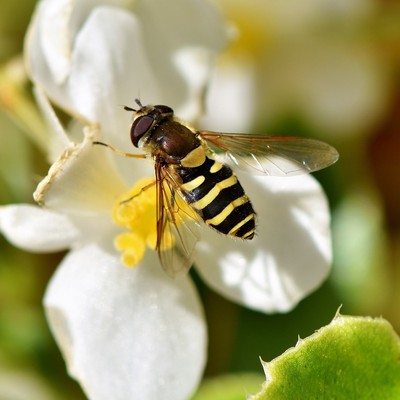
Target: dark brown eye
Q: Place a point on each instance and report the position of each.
(140, 127)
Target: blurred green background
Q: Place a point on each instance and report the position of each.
(363, 187)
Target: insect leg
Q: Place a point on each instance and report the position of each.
(143, 189)
(122, 153)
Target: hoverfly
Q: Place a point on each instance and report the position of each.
(188, 170)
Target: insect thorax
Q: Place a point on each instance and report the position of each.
(175, 142)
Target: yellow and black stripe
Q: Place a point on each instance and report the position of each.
(217, 196)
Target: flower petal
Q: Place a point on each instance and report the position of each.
(181, 61)
(289, 257)
(58, 139)
(111, 37)
(36, 229)
(82, 180)
(54, 35)
(126, 334)
(107, 66)
(103, 56)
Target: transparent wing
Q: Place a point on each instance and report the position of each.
(177, 225)
(273, 155)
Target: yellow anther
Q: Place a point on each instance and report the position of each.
(130, 258)
(132, 247)
(125, 212)
(136, 210)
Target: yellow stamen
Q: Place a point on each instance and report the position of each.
(135, 210)
(132, 248)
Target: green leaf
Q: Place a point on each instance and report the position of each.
(351, 358)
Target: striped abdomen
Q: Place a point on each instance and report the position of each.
(217, 196)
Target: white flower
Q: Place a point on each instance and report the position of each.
(135, 333)
(91, 56)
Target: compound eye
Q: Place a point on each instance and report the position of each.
(164, 109)
(140, 127)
